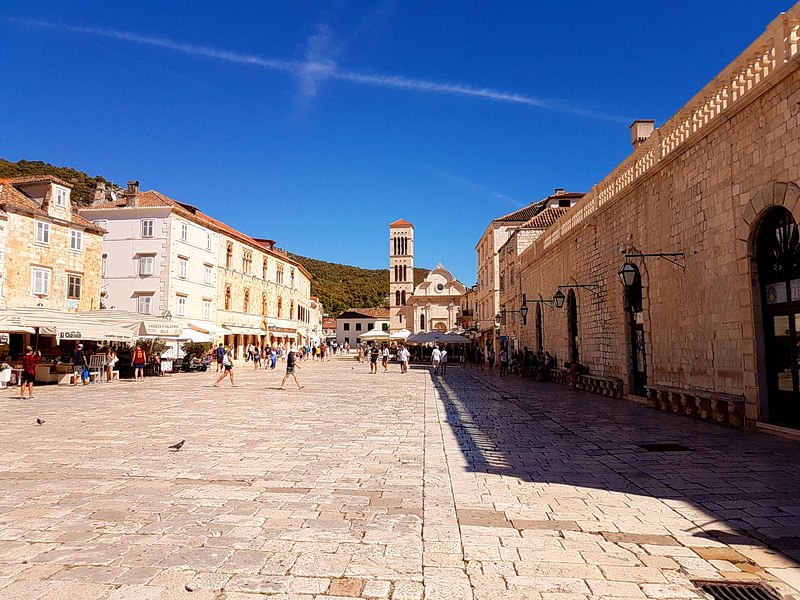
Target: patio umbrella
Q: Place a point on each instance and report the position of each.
(400, 336)
(375, 334)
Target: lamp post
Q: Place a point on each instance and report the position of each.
(559, 297)
(628, 274)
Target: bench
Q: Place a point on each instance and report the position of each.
(722, 408)
(597, 384)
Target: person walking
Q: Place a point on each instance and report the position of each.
(385, 358)
(402, 356)
(29, 361)
(79, 365)
(436, 359)
(490, 357)
(138, 361)
(374, 353)
(227, 368)
(443, 360)
(219, 353)
(111, 361)
(256, 358)
(291, 366)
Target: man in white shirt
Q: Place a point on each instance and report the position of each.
(443, 360)
(402, 356)
(436, 358)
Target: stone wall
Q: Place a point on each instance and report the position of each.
(698, 186)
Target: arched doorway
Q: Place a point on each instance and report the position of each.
(539, 334)
(637, 353)
(778, 262)
(572, 325)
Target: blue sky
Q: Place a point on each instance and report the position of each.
(318, 123)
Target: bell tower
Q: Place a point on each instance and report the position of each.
(401, 273)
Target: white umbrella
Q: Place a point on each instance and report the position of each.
(375, 334)
(400, 336)
(16, 329)
(195, 336)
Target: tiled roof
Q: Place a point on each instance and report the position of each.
(401, 223)
(329, 323)
(524, 214)
(13, 199)
(370, 313)
(546, 218)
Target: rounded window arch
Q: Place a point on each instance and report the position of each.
(229, 255)
(227, 297)
(572, 325)
(247, 301)
(422, 322)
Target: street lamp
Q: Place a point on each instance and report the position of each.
(628, 274)
(559, 298)
(523, 311)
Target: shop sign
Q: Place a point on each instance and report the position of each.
(4, 339)
(775, 293)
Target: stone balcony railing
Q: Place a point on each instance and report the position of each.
(778, 45)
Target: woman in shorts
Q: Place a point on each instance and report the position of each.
(227, 368)
(291, 365)
(29, 361)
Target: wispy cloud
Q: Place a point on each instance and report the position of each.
(319, 66)
(468, 183)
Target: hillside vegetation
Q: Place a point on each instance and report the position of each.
(83, 185)
(340, 287)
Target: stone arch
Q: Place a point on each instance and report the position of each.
(772, 195)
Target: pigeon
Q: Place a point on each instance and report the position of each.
(39, 421)
(178, 446)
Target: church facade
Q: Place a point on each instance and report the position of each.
(434, 304)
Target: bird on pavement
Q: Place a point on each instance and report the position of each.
(39, 421)
(178, 446)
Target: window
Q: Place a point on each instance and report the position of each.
(75, 240)
(61, 197)
(358, 326)
(264, 269)
(206, 310)
(42, 232)
(145, 265)
(207, 274)
(280, 307)
(183, 267)
(181, 306)
(291, 309)
(148, 227)
(103, 265)
(209, 240)
(264, 304)
(144, 305)
(41, 281)
(74, 287)
(291, 276)
(185, 232)
(247, 261)
(347, 340)
(347, 326)
(370, 326)
(227, 297)
(247, 301)
(279, 275)
(229, 256)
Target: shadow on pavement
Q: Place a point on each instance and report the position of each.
(748, 484)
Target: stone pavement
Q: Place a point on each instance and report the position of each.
(386, 486)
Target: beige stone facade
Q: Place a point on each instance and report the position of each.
(702, 185)
(435, 304)
(52, 256)
(401, 273)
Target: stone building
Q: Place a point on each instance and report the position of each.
(703, 215)
(355, 321)
(164, 256)
(51, 256)
(433, 304)
(488, 249)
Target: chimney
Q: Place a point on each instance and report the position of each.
(641, 130)
(132, 195)
(100, 193)
(559, 191)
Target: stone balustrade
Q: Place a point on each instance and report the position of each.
(778, 45)
(722, 408)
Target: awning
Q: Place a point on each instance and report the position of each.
(94, 332)
(243, 330)
(195, 336)
(141, 325)
(207, 327)
(16, 329)
(66, 325)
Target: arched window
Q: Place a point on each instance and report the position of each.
(229, 256)
(397, 298)
(291, 309)
(403, 298)
(280, 307)
(422, 322)
(264, 304)
(247, 301)
(572, 325)
(227, 297)
(539, 333)
(778, 263)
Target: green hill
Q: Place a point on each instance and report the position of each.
(84, 186)
(340, 287)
